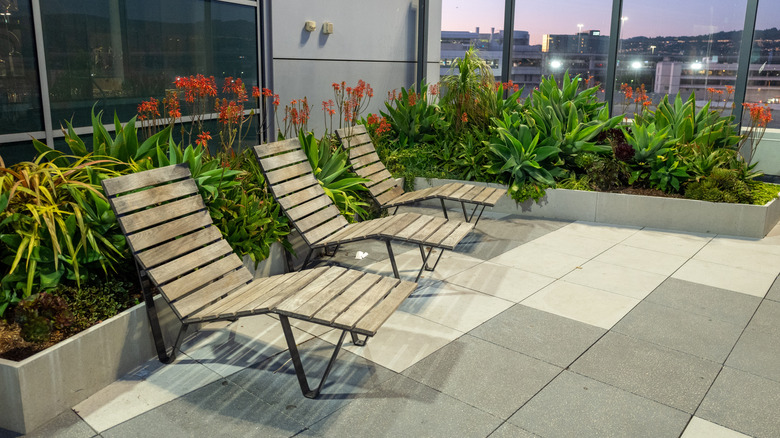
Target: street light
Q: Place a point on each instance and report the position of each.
(652, 49)
(636, 65)
(556, 64)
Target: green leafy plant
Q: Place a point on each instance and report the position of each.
(97, 300)
(722, 185)
(470, 92)
(413, 119)
(39, 314)
(519, 156)
(331, 168)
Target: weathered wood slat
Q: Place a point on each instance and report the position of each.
(268, 302)
(153, 177)
(442, 233)
(365, 160)
(308, 309)
(334, 279)
(483, 195)
(228, 306)
(492, 199)
(320, 217)
(456, 195)
(456, 236)
(412, 228)
(171, 250)
(294, 185)
(196, 279)
(389, 196)
(277, 161)
(337, 306)
(351, 229)
(211, 292)
(358, 138)
(382, 187)
(184, 264)
(447, 189)
(372, 169)
(378, 177)
(371, 321)
(401, 221)
(309, 207)
(169, 230)
(422, 234)
(473, 193)
(267, 149)
(360, 150)
(162, 213)
(319, 235)
(290, 172)
(302, 196)
(365, 303)
(138, 200)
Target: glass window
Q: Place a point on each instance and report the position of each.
(465, 24)
(694, 49)
(764, 79)
(118, 52)
(20, 96)
(574, 39)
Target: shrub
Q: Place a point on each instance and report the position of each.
(722, 185)
(39, 314)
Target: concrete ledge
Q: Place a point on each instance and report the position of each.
(645, 211)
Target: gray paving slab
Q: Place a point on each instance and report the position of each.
(274, 381)
(743, 402)
(492, 238)
(767, 318)
(667, 376)
(64, 425)
(220, 409)
(402, 407)
(774, 291)
(577, 406)
(720, 304)
(551, 338)
(508, 430)
(679, 330)
(485, 375)
(757, 352)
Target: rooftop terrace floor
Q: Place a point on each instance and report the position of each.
(530, 328)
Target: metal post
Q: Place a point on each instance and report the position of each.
(43, 77)
(509, 34)
(265, 68)
(614, 43)
(422, 43)
(745, 52)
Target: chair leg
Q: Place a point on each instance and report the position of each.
(425, 258)
(470, 217)
(154, 322)
(331, 253)
(306, 260)
(392, 259)
(444, 209)
(357, 341)
(296, 359)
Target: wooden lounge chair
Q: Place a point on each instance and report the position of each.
(290, 178)
(179, 251)
(387, 194)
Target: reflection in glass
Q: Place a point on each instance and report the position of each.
(20, 97)
(693, 50)
(574, 39)
(465, 24)
(764, 79)
(120, 52)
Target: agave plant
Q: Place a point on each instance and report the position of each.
(520, 155)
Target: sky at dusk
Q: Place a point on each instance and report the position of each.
(644, 18)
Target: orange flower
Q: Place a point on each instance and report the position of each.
(464, 118)
(203, 139)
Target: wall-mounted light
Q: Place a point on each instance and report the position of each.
(310, 25)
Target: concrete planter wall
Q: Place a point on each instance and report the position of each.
(645, 211)
(42, 386)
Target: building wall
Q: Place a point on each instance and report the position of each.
(375, 41)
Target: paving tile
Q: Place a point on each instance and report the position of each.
(642, 259)
(770, 245)
(539, 259)
(539, 334)
(143, 389)
(743, 402)
(509, 430)
(767, 318)
(602, 231)
(573, 243)
(667, 376)
(519, 228)
(226, 348)
(774, 291)
(726, 277)
(682, 331)
(719, 304)
(621, 280)
(453, 306)
(757, 352)
(582, 303)
(746, 256)
(576, 406)
(480, 245)
(698, 428)
(64, 425)
(221, 409)
(410, 262)
(402, 341)
(403, 407)
(275, 383)
(501, 281)
(485, 375)
(679, 243)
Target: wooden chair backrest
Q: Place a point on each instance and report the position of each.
(292, 182)
(172, 237)
(365, 162)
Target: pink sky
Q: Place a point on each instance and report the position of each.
(656, 18)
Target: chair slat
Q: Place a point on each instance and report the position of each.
(168, 230)
(294, 185)
(442, 233)
(196, 279)
(318, 218)
(281, 292)
(212, 292)
(205, 255)
(274, 148)
(372, 169)
(360, 150)
(237, 299)
(336, 306)
(398, 223)
(493, 198)
(162, 213)
(371, 321)
(277, 161)
(285, 173)
(138, 200)
(456, 236)
(309, 207)
(153, 177)
(171, 250)
(332, 279)
(365, 160)
(317, 302)
(318, 236)
(365, 303)
(378, 177)
(413, 227)
(389, 196)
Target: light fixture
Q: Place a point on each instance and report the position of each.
(636, 65)
(696, 65)
(556, 64)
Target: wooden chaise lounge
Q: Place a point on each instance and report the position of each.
(180, 253)
(291, 181)
(386, 192)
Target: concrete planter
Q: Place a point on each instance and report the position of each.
(645, 211)
(39, 388)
